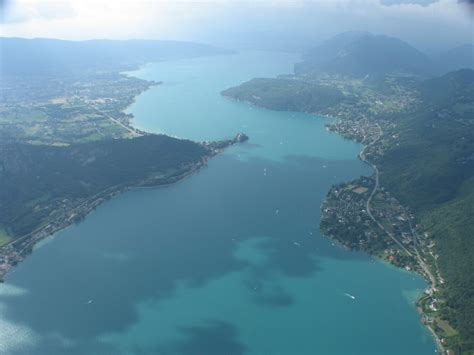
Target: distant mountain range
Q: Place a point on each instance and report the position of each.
(21, 56)
(362, 53)
(457, 58)
(353, 53)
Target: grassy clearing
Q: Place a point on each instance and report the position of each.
(447, 329)
(4, 236)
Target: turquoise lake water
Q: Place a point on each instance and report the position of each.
(228, 261)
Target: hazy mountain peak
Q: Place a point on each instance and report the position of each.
(363, 53)
(456, 58)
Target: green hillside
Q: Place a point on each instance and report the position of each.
(286, 95)
(37, 180)
(432, 171)
(425, 158)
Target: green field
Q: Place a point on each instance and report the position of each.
(4, 236)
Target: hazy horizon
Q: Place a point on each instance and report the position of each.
(282, 24)
(236, 177)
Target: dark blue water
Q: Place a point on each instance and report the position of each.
(228, 261)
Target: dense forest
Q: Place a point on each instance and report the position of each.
(432, 171)
(37, 179)
(287, 95)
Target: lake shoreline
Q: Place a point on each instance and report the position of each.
(19, 248)
(422, 271)
(226, 187)
(333, 127)
(368, 134)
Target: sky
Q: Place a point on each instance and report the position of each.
(427, 24)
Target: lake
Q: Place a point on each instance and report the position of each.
(228, 261)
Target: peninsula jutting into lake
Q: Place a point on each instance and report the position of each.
(243, 231)
(97, 172)
(300, 184)
(399, 213)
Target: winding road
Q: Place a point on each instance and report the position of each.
(375, 189)
(420, 261)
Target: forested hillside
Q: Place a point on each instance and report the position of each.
(425, 157)
(287, 95)
(36, 180)
(432, 171)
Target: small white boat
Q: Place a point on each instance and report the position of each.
(90, 301)
(350, 296)
(297, 244)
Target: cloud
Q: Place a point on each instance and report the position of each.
(469, 4)
(439, 24)
(420, 21)
(19, 12)
(416, 2)
(71, 19)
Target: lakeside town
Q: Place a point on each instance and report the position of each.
(68, 109)
(377, 111)
(361, 215)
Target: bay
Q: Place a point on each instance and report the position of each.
(228, 261)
